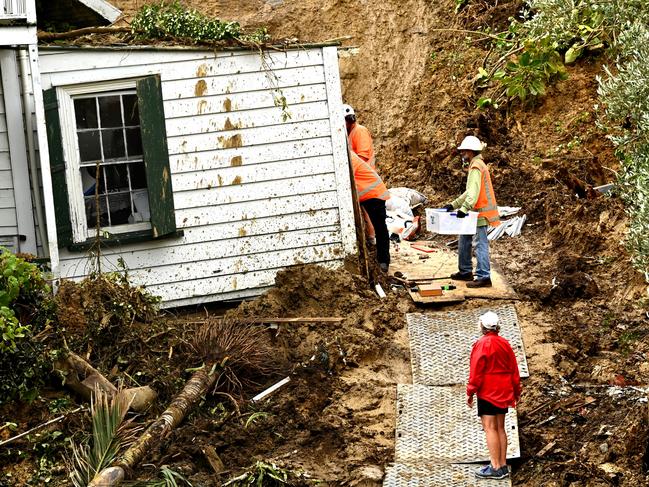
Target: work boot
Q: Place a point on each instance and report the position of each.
(484, 282)
(384, 267)
(462, 276)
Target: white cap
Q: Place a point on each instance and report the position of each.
(348, 110)
(471, 143)
(489, 320)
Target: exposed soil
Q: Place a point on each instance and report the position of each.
(583, 417)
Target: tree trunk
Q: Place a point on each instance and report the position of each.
(197, 386)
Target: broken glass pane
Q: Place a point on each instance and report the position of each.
(120, 208)
(89, 149)
(116, 177)
(131, 115)
(110, 111)
(134, 142)
(85, 112)
(138, 175)
(113, 143)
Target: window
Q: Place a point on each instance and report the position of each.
(109, 161)
(110, 152)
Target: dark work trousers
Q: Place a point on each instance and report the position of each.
(376, 210)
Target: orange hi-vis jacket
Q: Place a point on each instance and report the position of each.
(360, 141)
(368, 183)
(486, 205)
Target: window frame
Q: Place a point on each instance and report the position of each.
(65, 95)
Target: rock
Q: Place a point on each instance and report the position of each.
(603, 447)
(367, 476)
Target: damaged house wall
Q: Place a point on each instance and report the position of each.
(256, 187)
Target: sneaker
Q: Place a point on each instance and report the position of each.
(488, 472)
(462, 276)
(505, 471)
(384, 267)
(486, 282)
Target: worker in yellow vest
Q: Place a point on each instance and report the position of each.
(479, 196)
(372, 195)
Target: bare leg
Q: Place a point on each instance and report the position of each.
(502, 434)
(490, 426)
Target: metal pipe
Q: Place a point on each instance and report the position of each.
(28, 109)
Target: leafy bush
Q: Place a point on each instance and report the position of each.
(625, 96)
(25, 309)
(163, 19)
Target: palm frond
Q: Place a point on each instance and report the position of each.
(108, 438)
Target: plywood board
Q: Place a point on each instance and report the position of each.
(439, 265)
(435, 425)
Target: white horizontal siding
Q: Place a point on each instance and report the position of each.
(8, 217)
(256, 189)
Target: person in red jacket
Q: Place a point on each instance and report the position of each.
(494, 379)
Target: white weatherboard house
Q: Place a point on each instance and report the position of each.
(207, 185)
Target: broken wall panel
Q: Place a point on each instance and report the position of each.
(257, 187)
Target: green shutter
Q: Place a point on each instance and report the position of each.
(156, 156)
(57, 168)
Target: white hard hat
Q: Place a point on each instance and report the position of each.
(348, 110)
(471, 143)
(489, 320)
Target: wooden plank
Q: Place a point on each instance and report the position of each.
(250, 100)
(215, 286)
(7, 198)
(18, 150)
(175, 65)
(340, 151)
(439, 265)
(183, 262)
(290, 207)
(202, 122)
(214, 159)
(252, 173)
(223, 267)
(6, 180)
(323, 319)
(248, 137)
(238, 83)
(8, 218)
(255, 191)
(5, 161)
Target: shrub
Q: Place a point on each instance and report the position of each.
(25, 309)
(625, 96)
(159, 20)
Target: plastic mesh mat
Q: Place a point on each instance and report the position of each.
(440, 343)
(440, 475)
(435, 425)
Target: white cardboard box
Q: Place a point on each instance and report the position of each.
(447, 223)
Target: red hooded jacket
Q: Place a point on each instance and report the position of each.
(494, 372)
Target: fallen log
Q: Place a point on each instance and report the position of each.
(83, 378)
(198, 385)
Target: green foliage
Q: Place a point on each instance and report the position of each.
(171, 19)
(25, 308)
(107, 439)
(528, 74)
(625, 96)
(263, 474)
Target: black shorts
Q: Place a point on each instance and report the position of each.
(485, 408)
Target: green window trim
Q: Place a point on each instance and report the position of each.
(119, 239)
(156, 161)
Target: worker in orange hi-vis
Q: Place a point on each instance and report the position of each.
(372, 195)
(360, 143)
